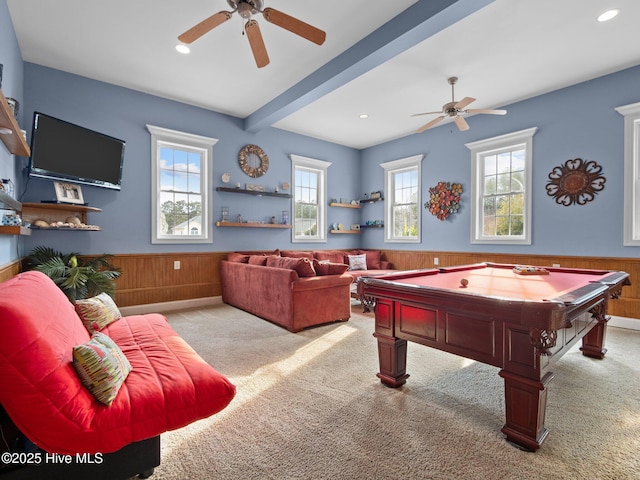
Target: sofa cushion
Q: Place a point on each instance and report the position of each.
(302, 266)
(373, 258)
(169, 386)
(329, 268)
(257, 260)
(97, 312)
(296, 254)
(333, 256)
(101, 366)
(237, 257)
(358, 262)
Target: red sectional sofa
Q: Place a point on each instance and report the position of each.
(293, 288)
(168, 387)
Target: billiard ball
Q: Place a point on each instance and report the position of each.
(464, 282)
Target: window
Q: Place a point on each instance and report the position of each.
(181, 166)
(501, 189)
(309, 194)
(631, 173)
(402, 212)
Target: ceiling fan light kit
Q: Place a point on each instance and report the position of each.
(247, 9)
(455, 110)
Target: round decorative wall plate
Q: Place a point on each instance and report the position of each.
(576, 181)
(226, 177)
(253, 161)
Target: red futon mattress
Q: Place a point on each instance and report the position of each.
(169, 386)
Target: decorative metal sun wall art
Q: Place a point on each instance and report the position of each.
(444, 199)
(576, 181)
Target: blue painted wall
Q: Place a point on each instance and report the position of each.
(579, 121)
(126, 214)
(575, 122)
(12, 86)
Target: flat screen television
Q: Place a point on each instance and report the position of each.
(66, 152)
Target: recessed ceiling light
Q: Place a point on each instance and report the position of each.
(364, 115)
(608, 15)
(183, 48)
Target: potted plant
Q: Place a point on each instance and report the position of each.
(77, 278)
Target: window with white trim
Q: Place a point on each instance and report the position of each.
(180, 200)
(402, 210)
(309, 199)
(501, 188)
(631, 173)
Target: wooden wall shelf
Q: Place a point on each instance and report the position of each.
(371, 200)
(8, 203)
(252, 225)
(253, 192)
(343, 205)
(54, 212)
(352, 232)
(15, 142)
(6, 230)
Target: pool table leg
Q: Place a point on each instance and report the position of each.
(392, 357)
(525, 408)
(593, 342)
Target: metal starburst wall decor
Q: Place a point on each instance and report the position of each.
(575, 182)
(444, 199)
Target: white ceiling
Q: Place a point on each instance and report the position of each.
(507, 51)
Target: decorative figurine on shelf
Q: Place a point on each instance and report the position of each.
(273, 219)
(239, 219)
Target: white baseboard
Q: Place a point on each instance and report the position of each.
(170, 306)
(624, 322)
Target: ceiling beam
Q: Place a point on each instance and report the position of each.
(422, 20)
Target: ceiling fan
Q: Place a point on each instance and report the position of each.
(455, 109)
(247, 8)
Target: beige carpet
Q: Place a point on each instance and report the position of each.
(309, 406)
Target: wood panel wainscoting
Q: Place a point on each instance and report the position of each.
(628, 305)
(9, 270)
(150, 278)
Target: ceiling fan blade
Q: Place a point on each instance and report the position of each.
(461, 123)
(464, 102)
(294, 25)
(433, 122)
(426, 113)
(257, 43)
(204, 26)
(489, 112)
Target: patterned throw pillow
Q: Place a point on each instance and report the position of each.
(97, 312)
(101, 366)
(358, 262)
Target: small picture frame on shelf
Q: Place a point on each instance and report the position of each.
(68, 193)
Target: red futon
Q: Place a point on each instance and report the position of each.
(168, 387)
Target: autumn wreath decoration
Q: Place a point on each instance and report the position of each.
(444, 199)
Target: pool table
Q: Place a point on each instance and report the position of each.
(520, 319)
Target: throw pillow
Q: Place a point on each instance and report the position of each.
(358, 262)
(237, 257)
(329, 268)
(257, 259)
(373, 258)
(302, 266)
(101, 366)
(333, 256)
(296, 254)
(97, 312)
